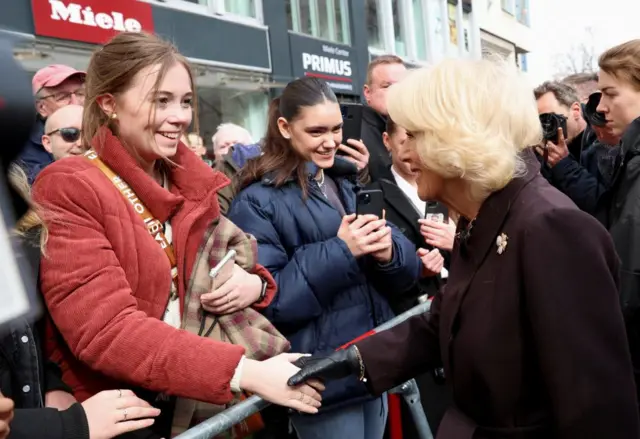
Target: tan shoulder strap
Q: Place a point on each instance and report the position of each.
(154, 227)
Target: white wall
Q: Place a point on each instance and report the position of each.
(491, 18)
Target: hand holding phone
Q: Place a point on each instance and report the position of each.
(366, 234)
(356, 152)
(232, 288)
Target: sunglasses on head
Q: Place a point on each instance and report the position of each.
(67, 134)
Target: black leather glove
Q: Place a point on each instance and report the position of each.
(327, 367)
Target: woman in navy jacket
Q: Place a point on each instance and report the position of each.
(331, 268)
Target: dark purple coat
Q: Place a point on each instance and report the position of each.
(532, 340)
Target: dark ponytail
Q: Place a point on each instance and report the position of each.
(277, 153)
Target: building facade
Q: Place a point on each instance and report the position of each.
(244, 51)
(505, 29)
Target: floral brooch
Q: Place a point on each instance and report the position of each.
(501, 243)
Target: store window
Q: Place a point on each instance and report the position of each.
(325, 19)
(247, 108)
(399, 29)
(420, 29)
(247, 11)
(522, 12)
(374, 26)
(509, 6)
(244, 8)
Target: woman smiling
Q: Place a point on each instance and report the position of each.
(115, 292)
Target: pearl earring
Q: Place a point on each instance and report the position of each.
(114, 116)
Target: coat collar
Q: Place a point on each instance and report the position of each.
(630, 138)
(471, 252)
(493, 213)
(191, 179)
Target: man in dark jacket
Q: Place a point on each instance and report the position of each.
(53, 87)
(580, 165)
(383, 72)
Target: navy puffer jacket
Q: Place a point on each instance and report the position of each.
(325, 297)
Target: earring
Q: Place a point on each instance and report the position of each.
(113, 116)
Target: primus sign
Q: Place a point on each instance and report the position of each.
(91, 21)
(324, 60)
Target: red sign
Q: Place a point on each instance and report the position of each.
(91, 21)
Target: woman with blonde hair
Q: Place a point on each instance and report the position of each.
(619, 81)
(530, 336)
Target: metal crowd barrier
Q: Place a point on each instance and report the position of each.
(235, 414)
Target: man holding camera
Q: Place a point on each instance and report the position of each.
(573, 161)
(558, 104)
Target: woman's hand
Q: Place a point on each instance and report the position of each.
(327, 367)
(432, 262)
(365, 235)
(437, 234)
(268, 379)
(385, 255)
(240, 291)
(59, 399)
(6, 415)
(357, 153)
(115, 412)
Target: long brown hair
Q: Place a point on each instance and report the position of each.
(278, 155)
(112, 70)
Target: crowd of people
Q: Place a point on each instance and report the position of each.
(529, 264)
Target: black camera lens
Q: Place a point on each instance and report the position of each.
(591, 115)
(551, 123)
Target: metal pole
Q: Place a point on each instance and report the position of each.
(411, 395)
(235, 414)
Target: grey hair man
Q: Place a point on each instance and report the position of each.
(227, 135)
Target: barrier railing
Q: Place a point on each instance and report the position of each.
(227, 419)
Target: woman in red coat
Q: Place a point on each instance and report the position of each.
(529, 328)
(106, 281)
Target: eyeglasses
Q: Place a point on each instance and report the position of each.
(64, 97)
(68, 134)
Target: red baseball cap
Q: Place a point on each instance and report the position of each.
(52, 76)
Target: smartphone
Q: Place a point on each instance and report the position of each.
(370, 202)
(351, 122)
(435, 211)
(223, 271)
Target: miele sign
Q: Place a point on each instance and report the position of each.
(321, 59)
(91, 21)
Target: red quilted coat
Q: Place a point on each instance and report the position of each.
(106, 282)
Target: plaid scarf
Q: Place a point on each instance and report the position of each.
(247, 328)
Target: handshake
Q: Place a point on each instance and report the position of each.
(328, 367)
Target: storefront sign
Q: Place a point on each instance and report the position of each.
(90, 21)
(325, 60)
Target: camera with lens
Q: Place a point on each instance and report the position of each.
(590, 111)
(551, 123)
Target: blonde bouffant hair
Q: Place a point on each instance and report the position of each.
(471, 119)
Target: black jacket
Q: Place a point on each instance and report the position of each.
(584, 178)
(400, 211)
(373, 125)
(25, 378)
(622, 207)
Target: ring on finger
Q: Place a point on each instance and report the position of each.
(125, 414)
(119, 393)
